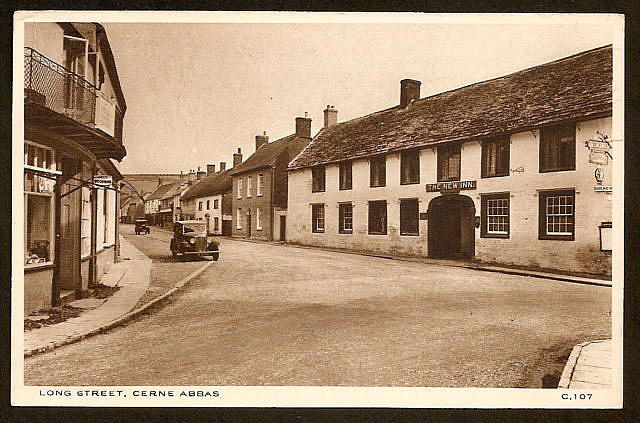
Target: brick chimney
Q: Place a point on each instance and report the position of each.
(409, 91)
(261, 140)
(211, 169)
(200, 174)
(223, 166)
(303, 126)
(192, 175)
(330, 116)
(237, 157)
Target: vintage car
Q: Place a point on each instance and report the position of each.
(141, 227)
(190, 239)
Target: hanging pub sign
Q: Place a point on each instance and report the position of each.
(599, 150)
(453, 186)
(103, 180)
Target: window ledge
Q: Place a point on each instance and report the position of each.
(377, 186)
(499, 236)
(556, 170)
(409, 183)
(318, 232)
(556, 237)
(38, 266)
(494, 176)
(377, 233)
(409, 234)
(345, 233)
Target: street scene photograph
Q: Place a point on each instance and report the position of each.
(296, 200)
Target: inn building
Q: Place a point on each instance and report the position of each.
(514, 170)
(73, 118)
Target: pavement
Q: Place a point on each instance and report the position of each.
(588, 366)
(132, 275)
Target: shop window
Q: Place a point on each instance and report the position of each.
(38, 233)
(494, 211)
(409, 217)
(449, 163)
(318, 179)
(410, 167)
(378, 217)
(378, 171)
(317, 218)
(557, 215)
(346, 218)
(557, 148)
(495, 157)
(345, 175)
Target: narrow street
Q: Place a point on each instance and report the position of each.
(277, 315)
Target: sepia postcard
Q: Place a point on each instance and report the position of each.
(286, 209)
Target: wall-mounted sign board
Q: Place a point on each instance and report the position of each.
(603, 188)
(103, 180)
(452, 186)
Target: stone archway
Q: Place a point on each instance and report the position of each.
(451, 230)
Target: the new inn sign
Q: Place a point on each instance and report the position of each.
(453, 186)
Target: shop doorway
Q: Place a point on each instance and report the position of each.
(451, 230)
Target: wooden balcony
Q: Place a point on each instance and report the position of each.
(66, 104)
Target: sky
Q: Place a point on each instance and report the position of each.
(197, 92)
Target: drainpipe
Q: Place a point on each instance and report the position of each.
(116, 229)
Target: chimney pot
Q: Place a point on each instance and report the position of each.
(303, 126)
(223, 166)
(261, 140)
(237, 158)
(211, 169)
(330, 116)
(409, 91)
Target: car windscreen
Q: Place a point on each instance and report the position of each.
(197, 228)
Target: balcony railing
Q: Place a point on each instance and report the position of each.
(51, 85)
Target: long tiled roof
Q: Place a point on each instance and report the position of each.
(218, 183)
(162, 191)
(574, 87)
(267, 155)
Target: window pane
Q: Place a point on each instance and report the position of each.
(38, 229)
(378, 217)
(409, 217)
(346, 218)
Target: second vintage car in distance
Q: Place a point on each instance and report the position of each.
(190, 238)
(142, 226)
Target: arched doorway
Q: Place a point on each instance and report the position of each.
(451, 230)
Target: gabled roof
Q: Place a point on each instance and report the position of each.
(161, 191)
(215, 184)
(572, 88)
(267, 155)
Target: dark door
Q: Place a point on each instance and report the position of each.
(70, 229)
(283, 228)
(451, 231)
(249, 223)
